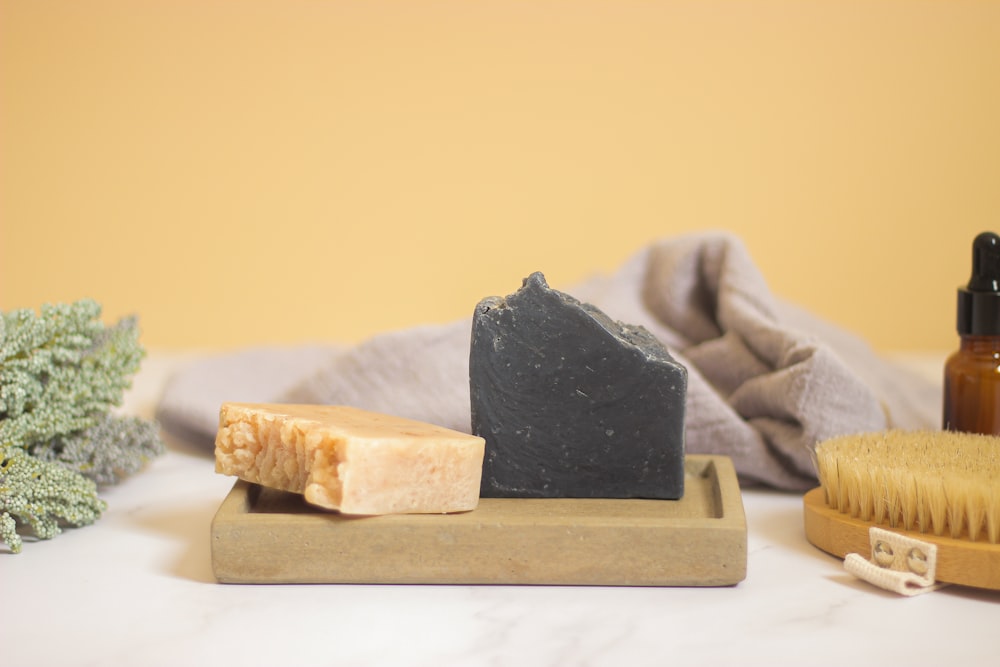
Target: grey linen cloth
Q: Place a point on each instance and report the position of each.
(766, 380)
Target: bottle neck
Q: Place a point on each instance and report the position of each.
(980, 344)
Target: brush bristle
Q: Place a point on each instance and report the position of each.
(938, 482)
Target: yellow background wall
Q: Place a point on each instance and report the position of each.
(284, 171)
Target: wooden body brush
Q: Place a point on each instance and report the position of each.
(940, 487)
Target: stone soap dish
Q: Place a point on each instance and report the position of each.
(264, 536)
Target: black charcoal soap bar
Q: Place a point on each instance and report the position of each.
(571, 403)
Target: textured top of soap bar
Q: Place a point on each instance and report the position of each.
(547, 308)
(572, 403)
(361, 424)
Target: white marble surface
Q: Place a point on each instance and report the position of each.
(137, 589)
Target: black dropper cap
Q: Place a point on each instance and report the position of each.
(979, 302)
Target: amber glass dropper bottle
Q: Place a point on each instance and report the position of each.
(972, 374)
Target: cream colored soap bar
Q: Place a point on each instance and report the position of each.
(351, 460)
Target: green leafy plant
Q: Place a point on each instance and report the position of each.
(61, 373)
(42, 496)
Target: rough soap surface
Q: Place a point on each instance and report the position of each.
(571, 403)
(351, 460)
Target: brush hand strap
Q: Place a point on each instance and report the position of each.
(898, 563)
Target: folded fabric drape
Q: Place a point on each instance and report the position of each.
(766, 380)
